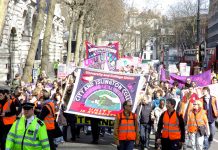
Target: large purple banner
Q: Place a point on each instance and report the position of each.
(101, 94)
(202, 79)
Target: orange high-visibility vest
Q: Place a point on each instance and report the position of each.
(127, 129)
(7, 108)
(185, 109)
(171, 128)
(50, 118)
(201, 120)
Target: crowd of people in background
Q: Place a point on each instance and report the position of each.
(50, 99)
(175, 115)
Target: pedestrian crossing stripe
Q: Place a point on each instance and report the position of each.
(85, 121)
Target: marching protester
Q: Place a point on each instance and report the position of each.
(169, 119)
(175, 93)
(214, 80)
(95, 130)
(171, 129)
(47, 115)
(197, 126)
(144, 112)
(126, 128)
(55, 67)
(210, 105)
(36, 101)
(8, 115)
(16, 82)
(188, 83)
(185, 106)
(159, 96)
(28, 132)
(155, 116)
(186, 103)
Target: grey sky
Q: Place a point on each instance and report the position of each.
(159, 5)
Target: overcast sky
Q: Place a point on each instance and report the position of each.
(161, 5)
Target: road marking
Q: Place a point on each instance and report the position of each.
(215, 140)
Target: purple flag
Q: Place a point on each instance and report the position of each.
(163, 74)
(202, 79)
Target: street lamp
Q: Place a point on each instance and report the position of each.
(198, 31)
(166, 51)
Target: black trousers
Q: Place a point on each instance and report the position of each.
(5, 129)
(168, 144)
(71, 120)
(51, 139)
(95, 129)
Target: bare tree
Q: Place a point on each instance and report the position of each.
(78, 6)
(34, 43)
(47, 35)
(93, 17)
(183, 15)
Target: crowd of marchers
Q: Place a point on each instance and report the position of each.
(178, 119)
(32, 116)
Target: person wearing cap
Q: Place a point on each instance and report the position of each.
(7, 114)
(28, 132)
(196, 118)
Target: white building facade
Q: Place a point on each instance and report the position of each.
(17, 33)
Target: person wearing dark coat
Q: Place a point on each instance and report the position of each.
(144, 113)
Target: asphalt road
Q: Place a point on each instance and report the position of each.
(106, 143)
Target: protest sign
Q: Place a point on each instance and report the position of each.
(62, 70)
(100, 94)
(173, 68)
(182, 68)
(71, 67)
(111, 51)
(128, 61)
(96, 62)
(188, 69)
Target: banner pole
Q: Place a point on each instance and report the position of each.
(61, 102)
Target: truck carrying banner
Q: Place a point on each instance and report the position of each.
(111, 52)
(100, 94)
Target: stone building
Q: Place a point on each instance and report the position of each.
(213, 24)
(17, 33)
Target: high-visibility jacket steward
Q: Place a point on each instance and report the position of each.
(50, 118)
(171, 127)
(7, 108)
(34, 137)
(195, 120)
(127, 128)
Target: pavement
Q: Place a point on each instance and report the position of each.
(106, 143)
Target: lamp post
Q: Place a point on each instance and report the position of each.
(166, 51)
(198, 31)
